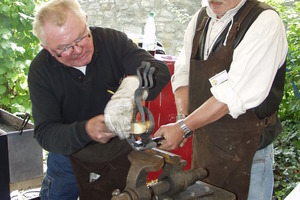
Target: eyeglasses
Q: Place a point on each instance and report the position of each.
(79, 42)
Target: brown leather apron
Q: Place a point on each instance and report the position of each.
(97, 180)
(99, 169)
(226, 147)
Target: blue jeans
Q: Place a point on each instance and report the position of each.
(59, 182)
(262, 178)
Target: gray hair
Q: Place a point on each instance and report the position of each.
(55, 12)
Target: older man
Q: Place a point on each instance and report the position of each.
(228, 84)
(71, 82)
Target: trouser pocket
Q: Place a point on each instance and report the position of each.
(45, 188)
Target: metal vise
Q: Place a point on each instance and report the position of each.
(173, 183)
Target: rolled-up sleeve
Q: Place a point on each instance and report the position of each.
(182, 64)
(255, 62)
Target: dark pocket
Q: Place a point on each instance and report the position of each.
(269, 134)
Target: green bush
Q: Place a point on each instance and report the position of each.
(287, 145)
(289, 13)
(17, 48)
(287, 155)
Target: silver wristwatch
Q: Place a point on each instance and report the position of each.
(186, 131)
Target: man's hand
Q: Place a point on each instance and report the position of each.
(173, 136)
(97, 130)
(120, 109)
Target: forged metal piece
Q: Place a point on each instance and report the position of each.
(143, 140)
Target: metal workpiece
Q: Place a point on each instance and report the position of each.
(143, 121)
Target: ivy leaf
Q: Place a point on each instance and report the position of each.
(2, 89)
(14, 47)
(2, 71)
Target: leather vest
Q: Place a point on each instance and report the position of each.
(271, 104)
(225, 147)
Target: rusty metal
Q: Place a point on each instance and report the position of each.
(172, 181)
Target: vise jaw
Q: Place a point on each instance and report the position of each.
(171, 181)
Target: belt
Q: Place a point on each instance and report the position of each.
(271, 119)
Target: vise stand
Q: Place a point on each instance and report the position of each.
(172, 184)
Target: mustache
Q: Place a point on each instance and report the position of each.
(217, 1)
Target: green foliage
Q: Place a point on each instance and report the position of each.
(287, 153)
(17, 48)
(287, 157)
(289, 13)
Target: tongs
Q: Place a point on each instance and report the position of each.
(143, 121)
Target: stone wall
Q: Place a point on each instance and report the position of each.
(129, 16)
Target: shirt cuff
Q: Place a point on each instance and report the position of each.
(225, 94)
(82, 134)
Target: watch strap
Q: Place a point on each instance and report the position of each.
(186, 131)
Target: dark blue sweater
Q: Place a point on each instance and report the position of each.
(63, 98)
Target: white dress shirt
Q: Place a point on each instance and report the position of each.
(255, 60)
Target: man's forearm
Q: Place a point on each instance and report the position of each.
(182, 100)
(210, 111)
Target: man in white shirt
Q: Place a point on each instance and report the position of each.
(228, 84)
